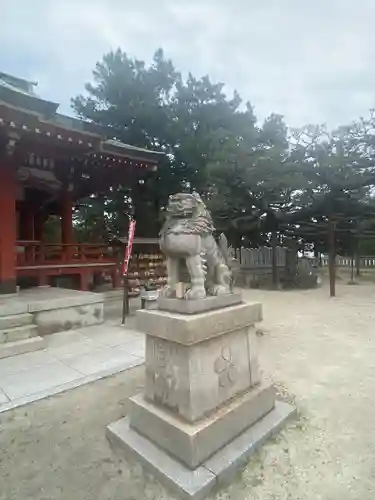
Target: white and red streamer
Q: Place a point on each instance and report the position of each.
(129, 246)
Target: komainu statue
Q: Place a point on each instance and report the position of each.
(188, 242)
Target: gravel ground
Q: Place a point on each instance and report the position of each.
(320, 353)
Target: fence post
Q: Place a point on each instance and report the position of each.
(275, 280)
(331, 256)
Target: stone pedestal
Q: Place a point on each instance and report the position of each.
(203, 393)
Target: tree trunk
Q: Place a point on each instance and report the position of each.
(352, 269)
(291, 262)
(353, 259)
(357, 264)
(331, 257)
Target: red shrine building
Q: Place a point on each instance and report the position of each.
(49, 161)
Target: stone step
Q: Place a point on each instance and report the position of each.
(22, 346)
(18, 333)
(114, 294)
(13, 320)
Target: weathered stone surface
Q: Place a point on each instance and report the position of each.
(219, 369)
(194, 443)
(18, 333)
(13, 320)
(22, 346)
(67, 318)
(150, 304)
(198, 306)
(235, 454)
(194, 380)
(191, 485)
(50, 309)
(252, 347)
(53, 298)
(220, 468)
(190, 329)
(10, 306)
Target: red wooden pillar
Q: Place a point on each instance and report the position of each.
(43, 278)
(116, 278)
(67, 237)
(84, 280)
(8, 229)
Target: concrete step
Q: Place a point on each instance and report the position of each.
(18, 333)
(12, 306)
(114, 294)
(22, 346)
(13, 320)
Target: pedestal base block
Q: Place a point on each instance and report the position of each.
(196, 484)
(192, 443)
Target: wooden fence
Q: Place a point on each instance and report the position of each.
(251, 258)
(261, 258)
(364, 262)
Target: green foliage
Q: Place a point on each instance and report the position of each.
(367, 247)
(262, 181)
(154, 107)
(52, 229)
(256, 179)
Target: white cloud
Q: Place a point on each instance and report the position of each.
(311, 61)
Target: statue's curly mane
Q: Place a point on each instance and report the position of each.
(200, 221)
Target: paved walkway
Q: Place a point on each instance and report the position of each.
(71, 359)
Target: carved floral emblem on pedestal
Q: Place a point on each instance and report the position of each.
(225, 368)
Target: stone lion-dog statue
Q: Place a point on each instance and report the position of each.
(187, 240)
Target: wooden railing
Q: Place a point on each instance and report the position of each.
(29, 253)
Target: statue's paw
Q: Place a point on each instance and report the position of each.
(168, 292)
(195, 294)
(221, 290)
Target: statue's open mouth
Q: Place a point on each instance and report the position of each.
(180, 212)
(182, 215)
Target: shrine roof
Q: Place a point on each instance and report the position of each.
(20, 93)
(118, 148)
(21, 108)
(17, 84)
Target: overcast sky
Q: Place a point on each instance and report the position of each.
(310, 60)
